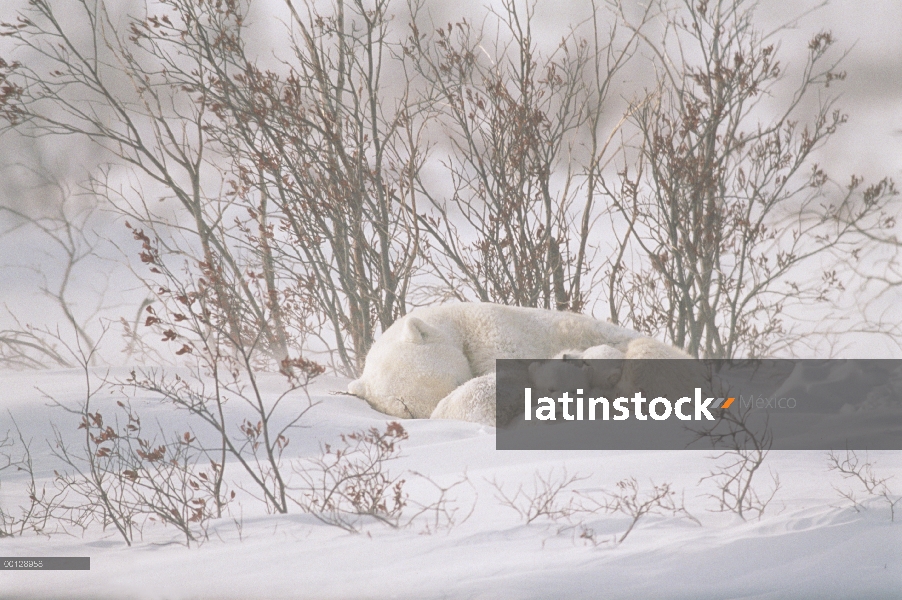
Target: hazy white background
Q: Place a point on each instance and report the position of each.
(870, 145)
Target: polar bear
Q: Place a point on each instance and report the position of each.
(606, 371)
(641, 372)
(476, 401)
(416, 364)
(550, 377)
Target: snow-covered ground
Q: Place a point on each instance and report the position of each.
(810, 542)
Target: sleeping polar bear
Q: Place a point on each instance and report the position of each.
(439, 361)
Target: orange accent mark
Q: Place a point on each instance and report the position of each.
(728, 403)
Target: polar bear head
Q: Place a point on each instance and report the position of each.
(410, 368)
(551, 377)
(605, 366)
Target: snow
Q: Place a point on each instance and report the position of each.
(810, 542)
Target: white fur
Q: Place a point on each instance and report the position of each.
(469, 402)
(602, 377)
(640, 374)
(435, 361)
(550, 378)
(604, 352)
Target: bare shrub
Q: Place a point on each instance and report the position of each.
(662, 499)
(743, 446)
(7, 522)
(351, 481)
(123, 477)
(879, 265)
(734, 481)
(166, 473)
(440, 510)
(525, 131)
(550, 496)
(728, 212)
(96, 489)
(127, 92)
(258, 444)
(327, 150)
(118, 475)
(861, 471)
(27, 347)
(68, 239)
(143, 93)
(629, 500)
(29, 516)
(299, 195)
(225, 359)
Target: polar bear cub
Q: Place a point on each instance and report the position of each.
(604, 370)
(550, 378)
(600, 375)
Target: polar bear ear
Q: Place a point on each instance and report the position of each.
(417, 331)
(357, 388)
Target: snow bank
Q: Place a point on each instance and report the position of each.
(810, 542)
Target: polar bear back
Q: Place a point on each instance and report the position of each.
(494, 332)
